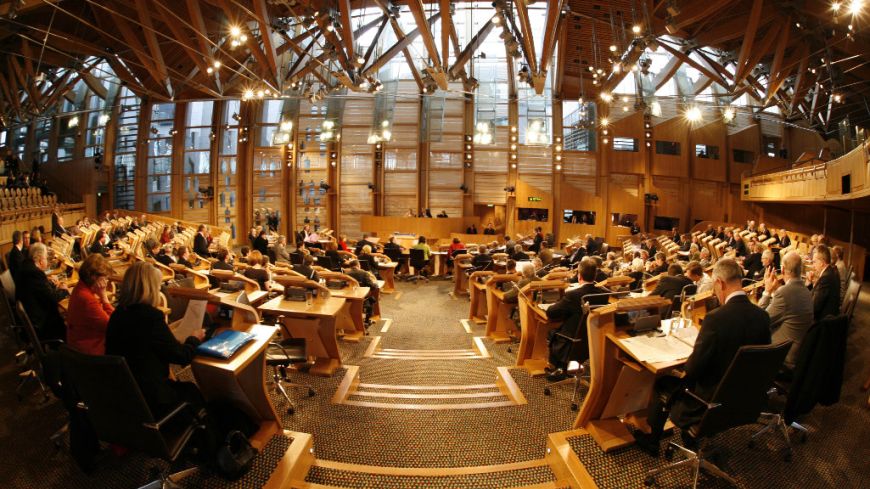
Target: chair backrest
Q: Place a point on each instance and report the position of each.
(395, 254)
(850, 299)
(8, 284)
(417, 258)
(30, 330)
(742, 392)
(112, 400)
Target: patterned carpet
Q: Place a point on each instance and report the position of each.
(426, 317)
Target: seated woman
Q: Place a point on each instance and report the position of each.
(257, 269)
(89, 307)
(261, 244)
(166, 235)
(342, 243)
(138, 332)
(280, 249)
(182, 256)
(423, 245)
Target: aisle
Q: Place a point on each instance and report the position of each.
(430, 395)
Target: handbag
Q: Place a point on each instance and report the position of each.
(235, 456)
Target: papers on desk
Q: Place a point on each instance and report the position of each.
(192, 320)
(544, 307)
(657, 349)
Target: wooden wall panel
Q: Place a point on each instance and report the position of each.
(672, 199)
(713, 134)
(489, 188)
(580, 194)
(746, 140)
(673, 130)
(627, 161)
(707, 201)
(580, 163)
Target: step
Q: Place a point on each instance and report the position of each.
(504, 392)
(531, 474)
(477, 351)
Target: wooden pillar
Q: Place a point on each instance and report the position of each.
(512, 166)
(143, 134)
(468, 164)
(558, 152)
(245, 168)
(176, 196)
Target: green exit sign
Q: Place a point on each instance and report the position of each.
(535, 199)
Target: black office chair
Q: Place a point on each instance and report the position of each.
(33, 358)
(678, 300)
(418, 263)
(737, 401)
(395, 255)
(281, 355)
(296, 258)
(576, 348)
(110, 399)
(7, 303)
(850, 298)
(803, 389)
(325, 262)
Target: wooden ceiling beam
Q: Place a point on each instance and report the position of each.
(779, 52)
(264, 20)
(198, 23)
(800, 81)
(133, 43)
(437, 70)
(562, 47)
(463, 57)
(416, 74)
(142, 10)
(667, 72)
(400, 45)
(554, 26)
(749, 39)
(688, 60)
(301, 57)
(183, 38)
(446, 30)
(762, 49)
(528, 42)
(734, 27)
(347, 34)
(693, 12)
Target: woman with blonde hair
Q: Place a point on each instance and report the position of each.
(89, 307)
(138, 332)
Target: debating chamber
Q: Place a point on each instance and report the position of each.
(507, 244)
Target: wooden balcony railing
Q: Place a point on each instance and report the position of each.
(844, 178)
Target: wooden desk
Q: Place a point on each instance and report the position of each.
(477, 290)
(461, 263)
(316, 323)
(240, 381)
(351, 319)
(697, 306)
(619, 385)
(650, 284)
(615, 283)
(388, 272)
(439, 263)
(533, 354)
(499, 324)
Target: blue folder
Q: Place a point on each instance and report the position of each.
(224, 344)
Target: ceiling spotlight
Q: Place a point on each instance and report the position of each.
(209, 70)
(235, 31)
(693, 114)
(243, 38)
(613, 48)
(606, 97)
(635, 29)
(260, 93)
(837, 98)
(216, 64)
(286, 126)
(855, 7)
(835, 7)
(330, 27)
(360, 60)
(496, 20)
(604, 122)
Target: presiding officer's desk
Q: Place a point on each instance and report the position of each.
(240, 381)
(316, 323)
(620, 386)
(534, 353)
(477, 290)
(499, 324)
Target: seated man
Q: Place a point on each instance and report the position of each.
(222, 262)
(736, 323)
(824, 281)
(39, 295)
(569, 310)
(519, 254)
(101, 244)
(482, 260)
(200, 241)
(789, 306)
(752, 262)
(365, 279)
(660, 265)
(672, 284)
(306, 268)
(511, 296)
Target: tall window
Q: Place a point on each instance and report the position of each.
(125, 150)
(198, 136)
(68, 130)
(227, 165)
(159, 182)
(19, 140)
(43, 139)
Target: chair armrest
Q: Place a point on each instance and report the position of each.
(708, 405)
(159, 424)
(569, 338)
(53, 344)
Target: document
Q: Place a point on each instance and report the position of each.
(656, 349)
(191, 323)
(544, 307)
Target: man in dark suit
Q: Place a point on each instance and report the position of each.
(519, 254)
(824, 281)
(482, 260)
(784, 240)
(660, 265)
(736, 243)
(736, 323)
(569, 310)
(592, 246)
(752, 264)
(16, 254)
(200, 242)
(101, 244)
(575, 256)
(538, 239)
(306, 268)
(672, 284)
(39, 296)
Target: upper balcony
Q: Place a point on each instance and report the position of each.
(844, 178)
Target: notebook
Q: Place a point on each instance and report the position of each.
(224, 344)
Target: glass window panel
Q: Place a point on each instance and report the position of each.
(197, 162)
(160, 147)
(229, 142)
(163, 112)
(159, 166)
(267, 133)
(199, 113)
(271, 111)
(199, 138)
(231, 112)
(158, 203)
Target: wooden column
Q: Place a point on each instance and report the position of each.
(556, 212)
(143, 134)
(176, 196)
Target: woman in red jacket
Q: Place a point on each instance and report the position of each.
(89, 307)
